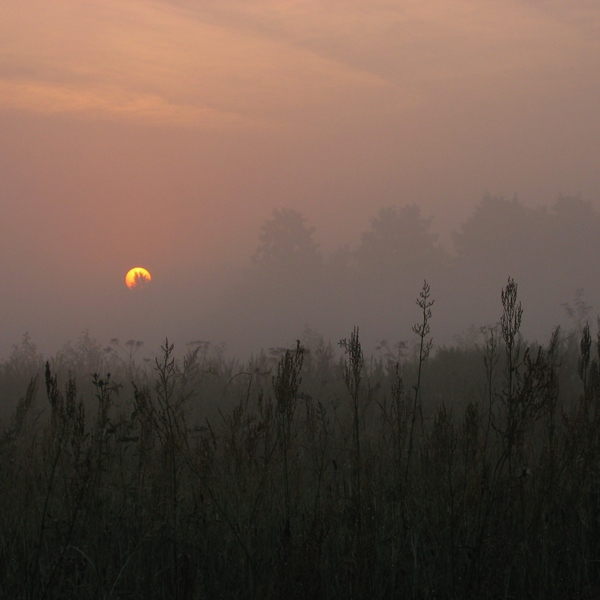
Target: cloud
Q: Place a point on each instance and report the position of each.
(276, 65)
(109, 102)
(150, 62)
(412, 39)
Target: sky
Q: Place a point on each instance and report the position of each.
(163, 133)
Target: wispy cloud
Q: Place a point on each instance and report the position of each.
(116, 103)
(148, 61)
(268, 63)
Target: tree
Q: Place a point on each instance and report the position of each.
(287, 244)
(576, 229)
(506, 237)
(400, 242)
(500, 235)
(282, 291)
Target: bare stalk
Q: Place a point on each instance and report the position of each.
(422, 329)
(352, 376)
(285, 387)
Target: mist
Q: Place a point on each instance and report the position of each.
(292, 287)
(165, 134)
(366, 364)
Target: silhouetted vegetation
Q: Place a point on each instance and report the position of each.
(292, 282)
(463, 471)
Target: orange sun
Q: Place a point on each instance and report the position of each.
(137, 277)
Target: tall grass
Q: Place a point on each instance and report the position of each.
(302, 475)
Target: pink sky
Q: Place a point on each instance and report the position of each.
(164, 133)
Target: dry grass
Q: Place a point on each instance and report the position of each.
(298, 475)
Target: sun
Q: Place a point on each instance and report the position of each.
(137, 277)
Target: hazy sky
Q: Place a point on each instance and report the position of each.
(163, 133)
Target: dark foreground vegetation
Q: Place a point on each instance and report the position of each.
(464, 472)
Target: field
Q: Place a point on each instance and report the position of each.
(470, 471)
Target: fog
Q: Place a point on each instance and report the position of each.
(290, 288)
(165, 134)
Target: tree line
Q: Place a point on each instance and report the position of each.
(551, 250)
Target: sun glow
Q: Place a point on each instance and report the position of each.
(137, 277)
